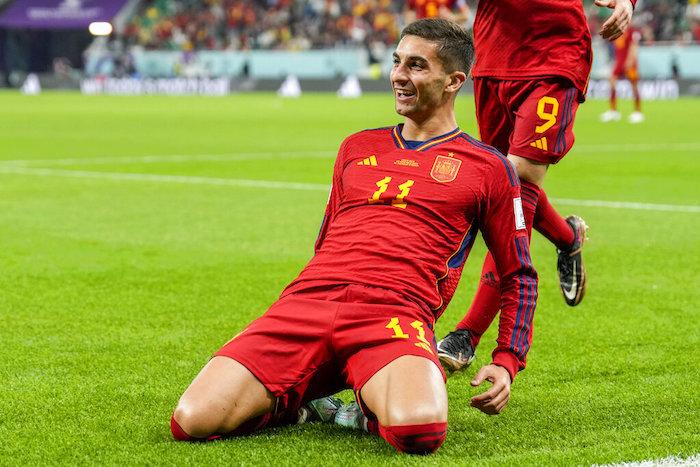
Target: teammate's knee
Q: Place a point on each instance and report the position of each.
(415, 439)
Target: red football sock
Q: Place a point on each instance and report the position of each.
(613, 98)
(487, 300)
(549, 223)
(486, 303)
(415, 439)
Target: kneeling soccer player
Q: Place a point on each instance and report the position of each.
(402, 216)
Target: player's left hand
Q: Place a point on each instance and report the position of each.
(620, 19)
(493, 401)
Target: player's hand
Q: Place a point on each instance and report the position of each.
(493, 401)
(620, 19)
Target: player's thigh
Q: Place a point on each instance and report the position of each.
(492, 114)
(408, 391)
(546, 111)
(222, 396)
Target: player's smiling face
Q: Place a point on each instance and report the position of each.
(418, 78)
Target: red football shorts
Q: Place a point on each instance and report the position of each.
(620, 71)
(533, 119)
(315, 343)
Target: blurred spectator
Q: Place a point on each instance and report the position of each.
(692, 15)
(451, 10)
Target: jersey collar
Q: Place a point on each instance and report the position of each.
(401, 143)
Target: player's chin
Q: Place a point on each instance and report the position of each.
(403, 109)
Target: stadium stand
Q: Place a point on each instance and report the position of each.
(323, 39)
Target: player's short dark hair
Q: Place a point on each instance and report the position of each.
(456, 51)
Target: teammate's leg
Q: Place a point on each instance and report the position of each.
(457, 350)
(541, 135)
(612, 114)
(551, 224)
(637, 116)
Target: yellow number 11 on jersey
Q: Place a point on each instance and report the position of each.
(383, 185)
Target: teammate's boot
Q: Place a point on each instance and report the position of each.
(636, 117)
(572, 274)
(351, 416)
(610, 116)
(320, 410)
(456, 351)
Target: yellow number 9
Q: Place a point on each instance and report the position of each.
(550, 117)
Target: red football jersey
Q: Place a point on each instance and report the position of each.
(406, 219)
(624, 43)
(516, 39)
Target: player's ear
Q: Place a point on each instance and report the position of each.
(455, 80)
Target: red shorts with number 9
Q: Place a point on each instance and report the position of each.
(533, 119)
(314, 343)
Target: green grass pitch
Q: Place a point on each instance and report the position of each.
(141, 233)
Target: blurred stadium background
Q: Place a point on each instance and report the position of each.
(237, 45)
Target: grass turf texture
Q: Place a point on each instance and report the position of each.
(117, 291)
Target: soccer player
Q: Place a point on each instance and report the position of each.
(533, 60)
(404, 208)
(626, 52)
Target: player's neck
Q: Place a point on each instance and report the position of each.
(428, 129)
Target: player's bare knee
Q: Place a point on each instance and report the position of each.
(193, 421)
(418, 414)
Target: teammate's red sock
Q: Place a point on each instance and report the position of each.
(415, 439)
(486, 303)
(549, 223)
(487, 300)
(613, 98)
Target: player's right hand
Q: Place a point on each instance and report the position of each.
(620, 19)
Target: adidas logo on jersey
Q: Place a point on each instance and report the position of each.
(540, 143)
(371, 160)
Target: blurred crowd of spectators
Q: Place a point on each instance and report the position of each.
(263, 24)
(192, 25)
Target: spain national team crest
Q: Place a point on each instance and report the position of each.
(445, 168)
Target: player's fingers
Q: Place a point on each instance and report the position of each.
(614, 37)
(491, 406)
(610, 29)
(485, 396)
(502, 404)
(484, 407)
(479, 377)
(602, 3)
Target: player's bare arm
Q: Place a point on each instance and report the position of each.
(620, 19)
(494, 400)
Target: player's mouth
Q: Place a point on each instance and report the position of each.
(404, 94)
